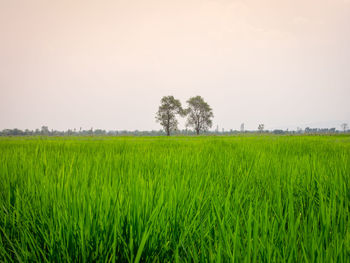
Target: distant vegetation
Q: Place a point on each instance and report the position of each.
(99, 132)
(166, 114)
(199, 117)
(182, 199)
(199, 114)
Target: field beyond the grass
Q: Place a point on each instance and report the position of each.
(178, 199)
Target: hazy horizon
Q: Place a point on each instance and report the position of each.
(106, 64)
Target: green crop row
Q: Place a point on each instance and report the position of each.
(179, 199)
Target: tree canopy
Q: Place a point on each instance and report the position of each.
(167, 111)
(199, 114)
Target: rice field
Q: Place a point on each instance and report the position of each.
(179, 199)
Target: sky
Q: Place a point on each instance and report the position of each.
(106, 64)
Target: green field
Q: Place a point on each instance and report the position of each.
(178, 199)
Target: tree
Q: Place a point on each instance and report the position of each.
(344, 126)
(199, 114)
(166, 115)
(261, 127)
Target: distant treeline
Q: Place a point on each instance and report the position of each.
(44, 131)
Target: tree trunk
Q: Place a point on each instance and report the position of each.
(168, 125)
(197, 131)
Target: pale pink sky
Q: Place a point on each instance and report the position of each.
(106, 64)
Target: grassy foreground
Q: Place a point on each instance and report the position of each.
(179, 199)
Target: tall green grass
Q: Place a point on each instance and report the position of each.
(180, 199)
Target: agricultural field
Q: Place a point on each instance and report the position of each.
(179, 199)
